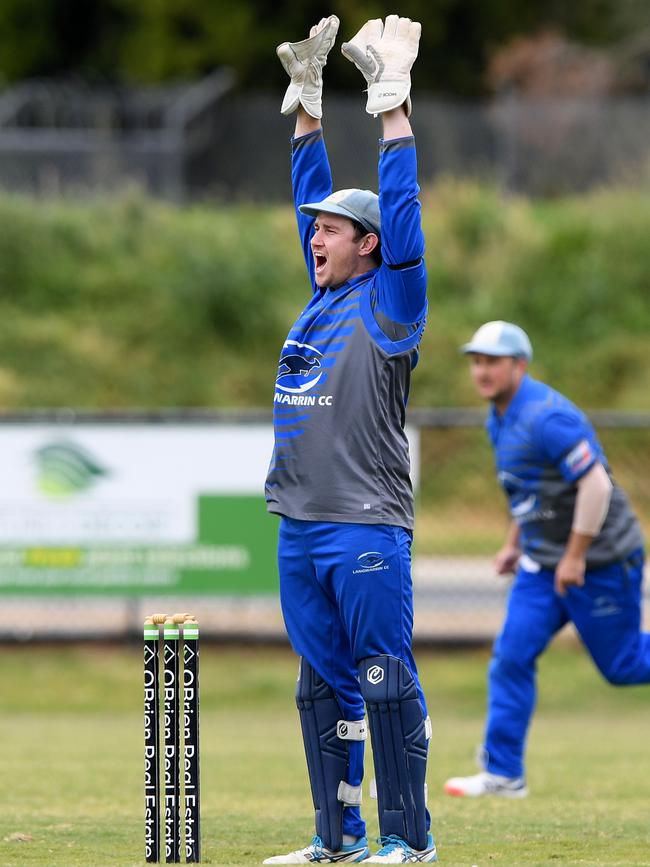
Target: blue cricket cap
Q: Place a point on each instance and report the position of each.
(500, 338)
(359, 205)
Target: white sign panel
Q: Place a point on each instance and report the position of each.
(122, 484)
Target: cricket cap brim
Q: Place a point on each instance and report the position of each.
(359, 205)
(500, 338)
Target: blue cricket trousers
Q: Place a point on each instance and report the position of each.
(346, 594)
(606, 612)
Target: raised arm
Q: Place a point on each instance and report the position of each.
(402, 281)
(385, 53)
(311, 178)
(395, 124)
(310, 172)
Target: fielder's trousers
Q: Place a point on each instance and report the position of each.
(607, 615)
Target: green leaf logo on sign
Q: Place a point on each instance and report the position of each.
(65, 469)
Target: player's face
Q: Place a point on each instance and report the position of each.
(336, 251)
(497, 378)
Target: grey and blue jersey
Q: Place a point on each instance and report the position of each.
(341, 453)
(543, 445)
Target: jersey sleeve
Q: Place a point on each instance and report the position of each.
(311, 180)
(569, 441)
(401, 284)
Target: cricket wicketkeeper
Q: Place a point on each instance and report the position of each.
(339, 475)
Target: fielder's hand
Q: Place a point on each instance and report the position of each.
(506, 560)
(304, 62)
(385, 54)
(569, 572)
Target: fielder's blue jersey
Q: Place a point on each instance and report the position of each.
(341, 453)
(543, 445)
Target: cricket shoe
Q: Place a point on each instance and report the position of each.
(394, 850)
(486, 783)
(317, 853)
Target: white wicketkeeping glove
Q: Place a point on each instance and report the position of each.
(304, 62)
(385, 54)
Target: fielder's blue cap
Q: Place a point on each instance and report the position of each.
(359, 205)
(500, 338)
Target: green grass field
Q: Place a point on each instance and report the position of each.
(71, 734)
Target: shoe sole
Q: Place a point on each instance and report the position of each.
(344, 858)
(501, 793)
(410, 860)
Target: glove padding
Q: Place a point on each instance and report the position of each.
(304, 62)
(385, 54)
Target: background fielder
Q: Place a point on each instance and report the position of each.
(574, 543)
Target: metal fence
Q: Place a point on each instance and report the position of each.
(205, 140)
(537, 147)
(65, 137)
(461, 521)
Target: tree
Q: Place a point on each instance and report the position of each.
(157, 40)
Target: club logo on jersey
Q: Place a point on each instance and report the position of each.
(375, 674)
(299, 368)
(579, 457)
(370, 561)
(523, 507)
(296, 365)
(526, 509)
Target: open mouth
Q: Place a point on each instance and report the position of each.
(319, 261)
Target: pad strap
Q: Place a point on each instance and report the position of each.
(350, 796)
(352, 730)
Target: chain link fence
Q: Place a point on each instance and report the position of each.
(535, 147)
(461, 522)
(68, 138)
(204, 140)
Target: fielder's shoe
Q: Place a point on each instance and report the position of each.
(316, 853)
(394, 850)
(487, 784)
